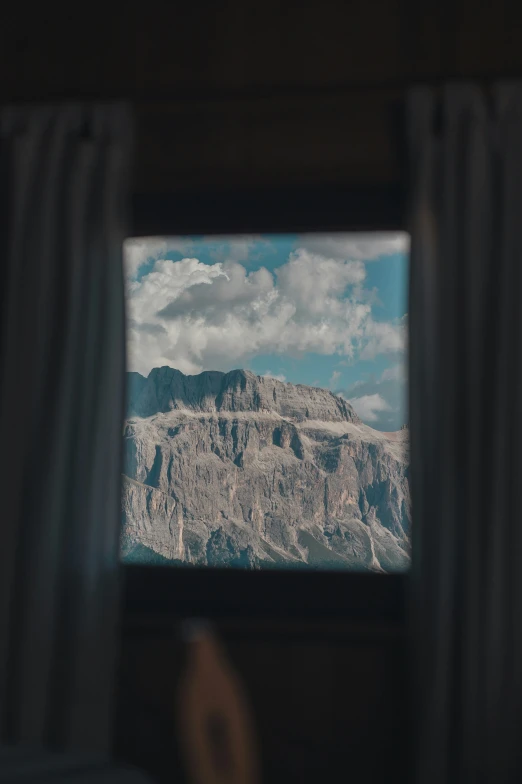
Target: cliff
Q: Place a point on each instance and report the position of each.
(233, 469)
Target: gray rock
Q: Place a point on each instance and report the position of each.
(167, 389)
(241, 470)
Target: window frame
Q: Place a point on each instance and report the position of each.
(226, 593)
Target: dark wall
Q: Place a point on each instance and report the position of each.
(245, 93)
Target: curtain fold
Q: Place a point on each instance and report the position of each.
(64, 181)
(466, 430)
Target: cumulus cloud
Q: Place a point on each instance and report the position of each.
(233, 286)
(394, 373)
(369, 406)
(389, 387)
(138, 251)
(245, 248)
(240, 247)
(197, 316)
(362, 247)
(334, 379)
(316, 282)
(277, 376)
(383, 337)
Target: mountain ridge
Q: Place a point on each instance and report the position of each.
(234, 469)
(166, 389)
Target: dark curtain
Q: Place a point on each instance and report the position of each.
(64, 174)
(466, 431)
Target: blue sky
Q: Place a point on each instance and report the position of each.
(325, 310)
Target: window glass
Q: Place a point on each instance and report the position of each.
(266, 414)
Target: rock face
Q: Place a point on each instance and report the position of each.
(167, 389)
(241, 470)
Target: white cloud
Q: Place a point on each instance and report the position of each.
(139, 250)
(395, 373)
(315, 282)
(383, 337)
(240, 247)
(369, 406)
(232, 286)
(277, 376)
(196, 316)
(390, 386)
(356, 246)
(334, 379)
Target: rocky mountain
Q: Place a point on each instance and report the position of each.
(234, 469)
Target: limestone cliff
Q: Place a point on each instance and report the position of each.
(234, 469)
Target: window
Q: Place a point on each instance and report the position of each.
(267, 424)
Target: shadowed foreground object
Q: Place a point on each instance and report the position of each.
(214, 719)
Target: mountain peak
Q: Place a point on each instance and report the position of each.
(167, 389)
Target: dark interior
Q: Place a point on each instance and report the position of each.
(266, 117)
